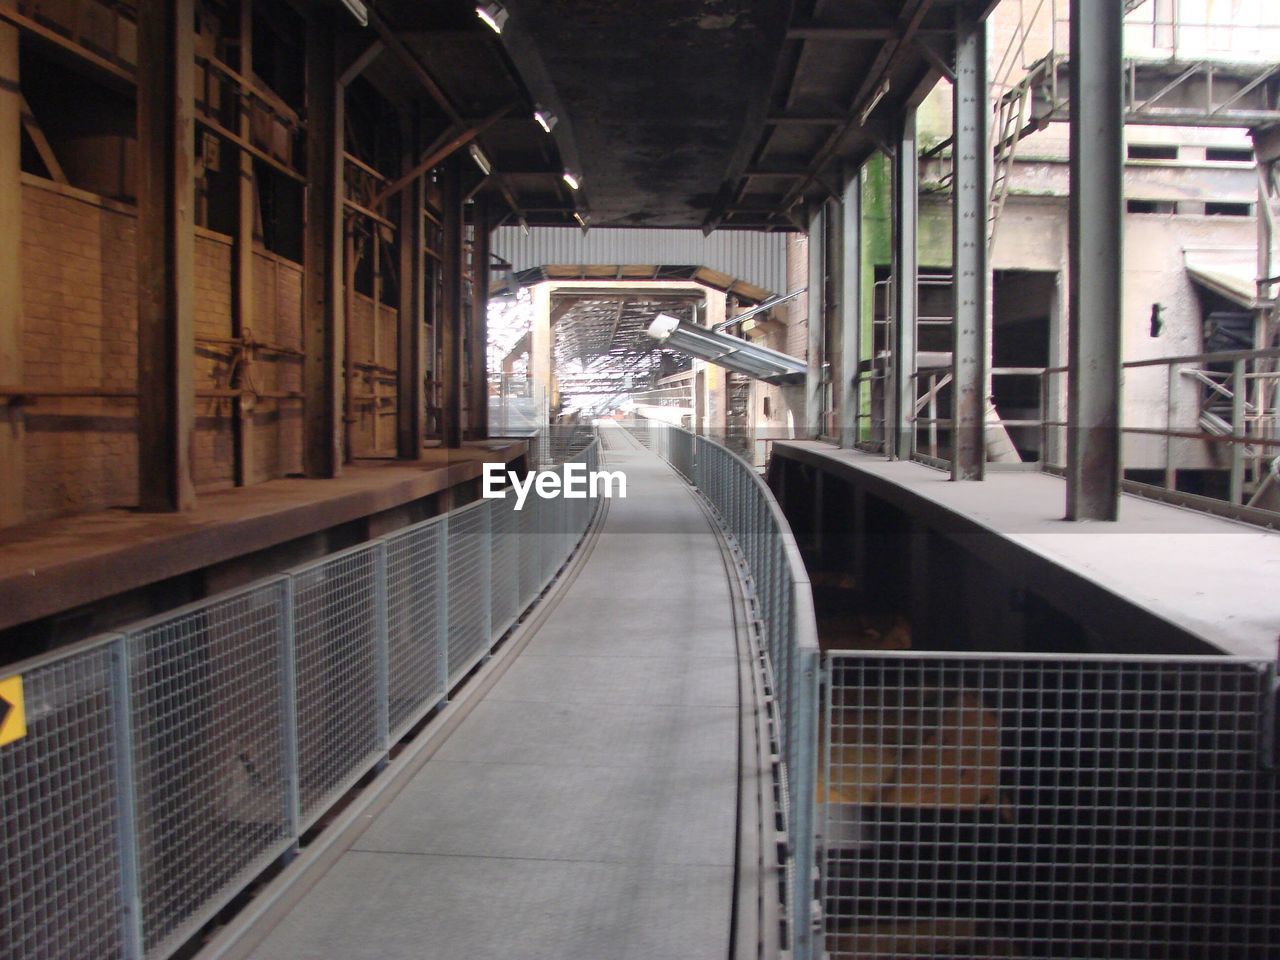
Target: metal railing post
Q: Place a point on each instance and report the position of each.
(442, 606)
(803, 779)
(131, 931)
(1239, 428)
(289, 720)
(381, 651)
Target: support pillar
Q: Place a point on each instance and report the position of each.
(814, 299)
(410, 347)
(901, 394)
(12, 473)
(322, 283)
(850, 392)
(1096, 261)
(166, 254)
(478, 334)
(242, 263)
(971, 269)
(451, 324)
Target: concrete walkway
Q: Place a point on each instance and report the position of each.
(586, 807)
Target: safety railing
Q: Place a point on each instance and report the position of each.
(166, 766)
(781, 600)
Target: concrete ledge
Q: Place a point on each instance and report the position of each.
(1161, 579)
(57, 565)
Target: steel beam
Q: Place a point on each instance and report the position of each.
(451, 323)
(1095, 261)
(242, 288)
(906, 189)
(814, 299)
(410, 368)
(850, 393)
(12, 474)
(972, 271)
(322, 254)
(478, 331)
(166, 254)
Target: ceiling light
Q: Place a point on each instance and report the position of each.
(546, 119)
(572, 179)
(358, 10)
(584, 220)
(494, 14)
(481, 160)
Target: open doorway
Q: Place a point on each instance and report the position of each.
(1023, 305)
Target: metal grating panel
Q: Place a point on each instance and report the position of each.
(208, 768)
(530, 522)
(1053, 808)
(335, 627)
(415, 602)
(504, 574)
(468, 588)
(60, 876)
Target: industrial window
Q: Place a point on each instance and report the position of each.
(1229, 154)
(1150, 151)
(1216, 209)
(1151, 206)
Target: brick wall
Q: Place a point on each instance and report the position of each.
(80, 331)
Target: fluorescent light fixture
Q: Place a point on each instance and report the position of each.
(524, 226)
(874, 102)
(583, 221)
(572, 179)
(481, 160)
(494, 14)
(358, 10)
(546, 119)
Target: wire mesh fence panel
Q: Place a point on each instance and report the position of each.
(60, 868)
(504, 567)
(209, 775)
(335, 626)
(530, 541)
(468, 588)
(415, 601)
(550, 535)
(1084, 808)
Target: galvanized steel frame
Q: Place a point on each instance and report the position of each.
(163, 769)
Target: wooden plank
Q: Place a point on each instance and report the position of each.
(166, 254)
(242, 264)
(322, 280)
(41, 143)
(12, 472)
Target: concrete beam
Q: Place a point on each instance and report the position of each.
(850, 390)
(906, 193)
(969, 229)
(322, 282)
(1095, 261)
(12, 472)
(166, 254)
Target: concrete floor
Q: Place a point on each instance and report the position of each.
(1212, 578)
(586, 806)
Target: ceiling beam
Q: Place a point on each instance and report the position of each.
(435, 157)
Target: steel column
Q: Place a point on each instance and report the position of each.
(322, 254)
(410, 369)
(1096, 261)
(850, 393)
(242, 271)
(12, 475)
(478, 331)
(166, 254)
(814, 298)
(906, 190)
(969, 225)
(451, 323)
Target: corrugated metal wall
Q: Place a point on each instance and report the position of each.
(755, 257)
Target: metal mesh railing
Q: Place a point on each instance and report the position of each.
(781, 602)
(1092, 808)
(166, 766)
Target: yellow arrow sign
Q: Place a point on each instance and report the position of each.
(13, 717)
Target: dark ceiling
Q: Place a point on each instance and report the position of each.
(680, 113)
